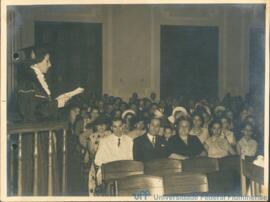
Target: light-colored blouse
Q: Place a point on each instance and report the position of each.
(217, 147)
(247, 147)
(228, 134)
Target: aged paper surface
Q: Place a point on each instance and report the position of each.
(4, 112)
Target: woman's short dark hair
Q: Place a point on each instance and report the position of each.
(199, 115)
(151, 118)
(184, 119)
(32, 55)
(40, 52)
(116, 119)
(214, 121)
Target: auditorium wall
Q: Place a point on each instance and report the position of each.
(131, 41)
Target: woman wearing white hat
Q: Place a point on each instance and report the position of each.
(127, 117)
(177, 113)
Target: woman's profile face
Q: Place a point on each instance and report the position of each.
(45, 64)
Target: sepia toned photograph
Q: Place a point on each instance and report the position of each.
(160, 101)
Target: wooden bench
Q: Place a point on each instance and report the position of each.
(185, 183)
(162, 167)
(254, 174)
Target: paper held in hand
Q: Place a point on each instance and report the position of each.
(63, 98)
(70, 94)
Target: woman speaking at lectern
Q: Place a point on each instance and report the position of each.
(35, 102)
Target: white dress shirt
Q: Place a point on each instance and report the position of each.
(108, 149)
(151, 138)
(41, 79)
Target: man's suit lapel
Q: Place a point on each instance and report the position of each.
(147, 142)
(158, 141)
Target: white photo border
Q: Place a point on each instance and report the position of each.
(3, 107)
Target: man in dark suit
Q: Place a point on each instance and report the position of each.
(150, 145)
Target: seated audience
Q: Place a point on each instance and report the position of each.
(167, 132)
(73, 113)
(234, 125)
(230, 116)
(100, 131)
(207, 119)
(226, 132)
(139, 128)
(127, 117)
(114, 147)
(202, 108)
(217, 146)
(198, 130)
(82, 121)
(183, 145)
(94, 114)
(219, 111)
(150, 145)
(247, 146)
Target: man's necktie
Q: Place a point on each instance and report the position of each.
(154, 141)
(119, 142)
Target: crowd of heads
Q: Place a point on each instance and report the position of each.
(234, 113)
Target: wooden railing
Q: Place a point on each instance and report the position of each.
(37, 159)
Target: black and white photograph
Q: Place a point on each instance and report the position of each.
(134, 101)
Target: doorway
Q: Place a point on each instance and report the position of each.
(76, 54)
(189, 61)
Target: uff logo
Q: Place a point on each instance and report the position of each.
(141, 195)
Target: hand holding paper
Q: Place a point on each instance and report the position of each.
(62, 99)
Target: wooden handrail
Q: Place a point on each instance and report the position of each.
(35, 130)
(20, 128)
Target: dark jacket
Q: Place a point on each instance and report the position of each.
(143, 149)
(193, 147)
(34, 104)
